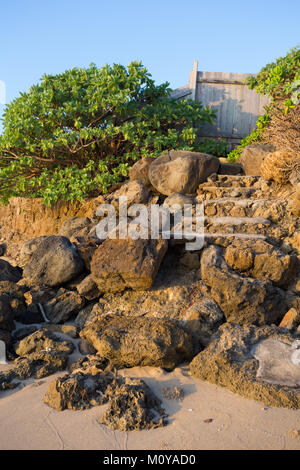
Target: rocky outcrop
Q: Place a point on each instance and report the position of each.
(118, 264)
(133, 406)
(252, 158)
(242, 359)
(242, 299)
(54, 262)
(181, 172)
(140, 342)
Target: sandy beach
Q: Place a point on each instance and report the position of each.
(237, 423)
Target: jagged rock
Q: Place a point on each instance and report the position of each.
(75, 227)
(142, 342)
(259, 259)
(88, 288)
(190, 260)
(252, 158)
(242, 299)
(8, 272)
(43, 341)
(140, 171)
(240, 358)
(29, 248)
(79, 390)
(91, 363)
(54, 262)
(36, 365)
(202, 320)
(295, 205)
(133, 406)
(118, 264)
(83, 315)
(181, 171)
(63, 306)
(230, 169)
(39, 295)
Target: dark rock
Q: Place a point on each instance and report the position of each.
(63, 306)
(8, 272)
(54, 262)
(181, 171)
(130, 342)
(88, 288)
(133, 406)
(75, 226)
(29, 248)
(36, 365)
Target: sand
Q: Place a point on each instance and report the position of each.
(27, 423)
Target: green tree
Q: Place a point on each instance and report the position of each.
(75, 134)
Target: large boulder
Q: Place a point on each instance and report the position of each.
(181, 172)
(252, 158)
(118, 264)
(135, 192)
(257, 363)
(28, 248)
(140, 171)
(54, 262)
(242, 299)
(9, 272)
(259, 259)
(130, 342)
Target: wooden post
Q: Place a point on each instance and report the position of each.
(193, 80)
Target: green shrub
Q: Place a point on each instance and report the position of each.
(280, 80)
(219, 148)
(76, 134)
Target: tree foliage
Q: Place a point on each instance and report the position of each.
(280, 80)
(75, 134)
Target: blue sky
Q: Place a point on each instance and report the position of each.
(167, 35)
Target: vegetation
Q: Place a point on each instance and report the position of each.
(219, 148)
(280, 80)
(75, 134)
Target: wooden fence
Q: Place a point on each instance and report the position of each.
(238, 107)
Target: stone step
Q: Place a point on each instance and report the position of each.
(273, 209)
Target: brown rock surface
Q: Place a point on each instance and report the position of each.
(142, 342)
(118, 264)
